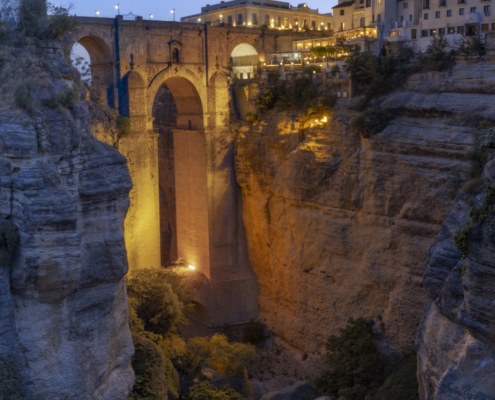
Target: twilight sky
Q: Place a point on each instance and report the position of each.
(161, 10)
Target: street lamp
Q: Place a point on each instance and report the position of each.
(173, 12)
(97, 13)
(118, 8)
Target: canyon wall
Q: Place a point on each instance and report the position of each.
(339, 226)
(63, 302)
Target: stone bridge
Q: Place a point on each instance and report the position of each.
(174, 81)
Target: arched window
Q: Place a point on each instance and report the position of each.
(175, 55)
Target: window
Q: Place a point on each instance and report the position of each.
(425, 16)
(424, 33)
(410, 17)
(342, 26)
(460, 30)
(437, 14)
(267, 20)
(239, 19)
(313, 25)
(493, 27)
(484, 27)
(392, 33)
(305, 24)
(329, 26)
(373, 18)
(404, 5)
(175, 55)
(449, 13)
(230, 21)
(255, 19)
(398, 33)
(486, 10)
(379, 2)
(413, 34)
(473, 9)
(361, 22)
(441, 31)
(368, 3)
(433, 32)
(461, 11)
(379, 17)
(461, 1)
(450, 30)
(286, 22)
(401, 18)
(342, 12)
(277, 20)
(442, 3)
(426, 4)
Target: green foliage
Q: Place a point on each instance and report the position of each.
(149, 365)
(66, 99)
(438, 58)
(335, 69)
(284, 102)
(309, 69)
(266, 100)
(9, 236)
(263, 26)
(319, 51)
(250, 117)
(160, 298)
(32, 16)
(254, 332)
(59, 22)
(222, 356)
(354, 365)
(4, 32)
(206, 391)
(402, 383)
(10, 381)
(123, 127)
(477, 215)
(23, 96)
(372, 121)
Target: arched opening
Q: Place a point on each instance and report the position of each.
(176, 105)
(244, 59)
(176, 56)
(100, 64)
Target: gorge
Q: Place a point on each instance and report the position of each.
(306, 226)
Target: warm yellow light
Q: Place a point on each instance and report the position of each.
(249, 23)
(192, 267)
(314, 72)
(324, 119)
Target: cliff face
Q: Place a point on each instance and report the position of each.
(339, 226)
(63, 303)
(456, 339)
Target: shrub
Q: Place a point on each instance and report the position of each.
(319, 51)
(266, 100)
(23, 96)
(254, 332)
(476, 214)
(439, 59)
(250, 117)
(160, 299)
(10, 381)
(335, 69)
(149, 365)
(308, 69)
(32, 15)
(206, 391)
(354, 365)
(9, 236)
(123, 127)
(224, 357)
(372, 121)
(59, 22)
(284, 102)
(402, 383)
(263, 27)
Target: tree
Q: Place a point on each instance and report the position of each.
(469, 46)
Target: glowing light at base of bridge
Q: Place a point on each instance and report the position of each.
(192, 267)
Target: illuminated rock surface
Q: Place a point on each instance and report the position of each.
(64, 309)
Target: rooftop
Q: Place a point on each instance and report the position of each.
(345, 4)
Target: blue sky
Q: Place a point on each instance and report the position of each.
(161, 10)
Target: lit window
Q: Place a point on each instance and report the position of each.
(450, 30)
(484, 27)
(392, 33)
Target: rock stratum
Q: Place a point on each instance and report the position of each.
(339, 226)
(63, 303)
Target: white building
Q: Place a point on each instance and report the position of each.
(270, 13)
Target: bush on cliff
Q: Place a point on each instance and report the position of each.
(372, 121)
(206, 391)
(9, 236)
(355, 368)
(10, 382)
(160, 299)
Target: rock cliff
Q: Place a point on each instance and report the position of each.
(456, 338)
(339, 226)
(63, 303)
